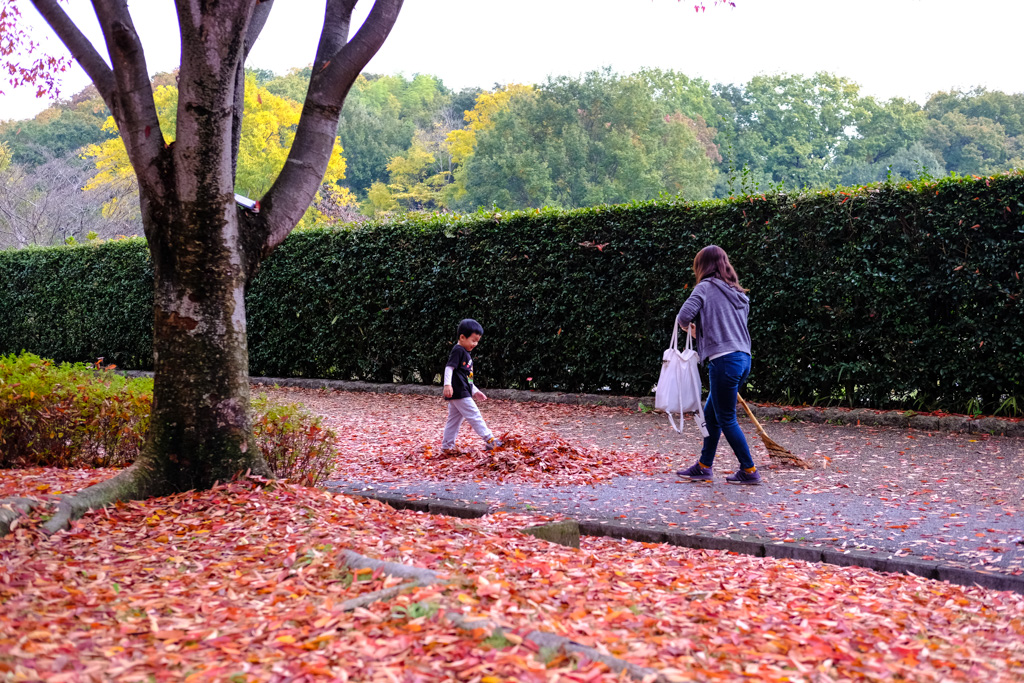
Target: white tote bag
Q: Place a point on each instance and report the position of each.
(678, 389)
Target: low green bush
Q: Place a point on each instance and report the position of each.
(69, 415)
(294, 441)
(78, 415)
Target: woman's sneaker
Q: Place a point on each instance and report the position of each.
(696, 472)
(744, 477)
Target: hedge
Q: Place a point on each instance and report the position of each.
(905, 295)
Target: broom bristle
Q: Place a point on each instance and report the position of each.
(775, 451)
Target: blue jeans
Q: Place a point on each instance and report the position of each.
(726, 375)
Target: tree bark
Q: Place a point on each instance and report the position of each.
(204, 248)
(199, 428)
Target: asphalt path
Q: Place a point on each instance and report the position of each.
(950, 497)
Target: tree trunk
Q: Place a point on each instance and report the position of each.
(199, 427)
(204, 249)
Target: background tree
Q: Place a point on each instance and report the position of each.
(602, 138)
(205, 248)
(792, 130)
(45, 204)
(385, 116)
(268, 130)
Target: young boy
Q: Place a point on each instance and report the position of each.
(460, 391)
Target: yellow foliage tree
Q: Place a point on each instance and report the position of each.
(462, 142)
(268, 129)
(421, 179)
(379, 202)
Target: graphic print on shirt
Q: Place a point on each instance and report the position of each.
(462, 372)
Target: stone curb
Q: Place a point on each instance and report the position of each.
(434, 506)
(745, 545)
(860, 416)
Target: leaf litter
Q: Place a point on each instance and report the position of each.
(244, 582)
(902, 492)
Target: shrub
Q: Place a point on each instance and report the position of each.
(69, 415)
(294, 442)
(64, 415)
(894, 295)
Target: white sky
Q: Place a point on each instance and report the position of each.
(906, 48)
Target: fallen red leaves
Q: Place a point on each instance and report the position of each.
(385, 440)
(543, 459)
(245, 581)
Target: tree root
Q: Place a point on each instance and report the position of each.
(422, 577)
(132, 483)
(12, 509)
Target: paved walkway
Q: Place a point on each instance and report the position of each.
(948, 497)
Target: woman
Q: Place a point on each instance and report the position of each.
(719, 307)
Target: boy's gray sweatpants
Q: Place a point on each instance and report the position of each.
(460, 409)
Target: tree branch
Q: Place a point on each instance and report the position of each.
(338, 64)
(81, 49)
(334, 35)
(134, 110)
(256, 24)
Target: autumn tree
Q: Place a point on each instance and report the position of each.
(574, 142)
(45, 204)
(204, 247)
(268, 130)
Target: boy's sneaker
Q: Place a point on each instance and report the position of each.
(696, 472)
(743, 477)
(493, 443)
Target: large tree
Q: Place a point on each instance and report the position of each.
(204, 247)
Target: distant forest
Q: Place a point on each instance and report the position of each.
(412, 144)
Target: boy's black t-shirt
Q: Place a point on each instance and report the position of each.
(462, 376)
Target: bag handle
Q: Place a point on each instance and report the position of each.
(689, 339)
(675, 338)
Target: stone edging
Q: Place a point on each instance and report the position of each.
(858, 416)
(746, 545)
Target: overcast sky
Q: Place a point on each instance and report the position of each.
(905, 48)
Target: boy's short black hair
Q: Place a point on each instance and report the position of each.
(469, 327)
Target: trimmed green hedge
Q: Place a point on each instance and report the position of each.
(892, 295)
(78, 304)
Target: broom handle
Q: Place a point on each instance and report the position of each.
(750, 414)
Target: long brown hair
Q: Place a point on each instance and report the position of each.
(712, 261)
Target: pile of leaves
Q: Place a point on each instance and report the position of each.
(541, 458)
(244, 582)
(389, 438)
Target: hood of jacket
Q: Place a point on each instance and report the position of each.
(736, 297)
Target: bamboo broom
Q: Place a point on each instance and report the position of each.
(775, 451)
